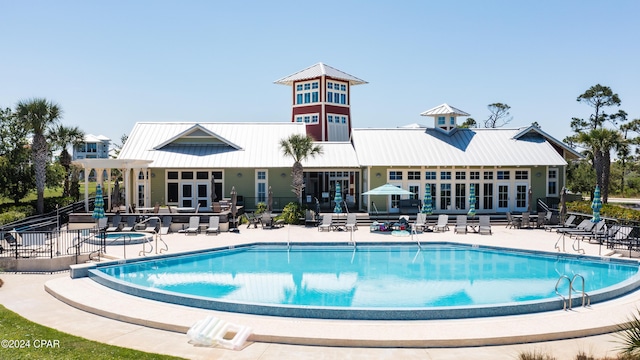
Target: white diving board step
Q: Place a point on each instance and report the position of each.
(211, 331)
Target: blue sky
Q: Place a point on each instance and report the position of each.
(112, 64)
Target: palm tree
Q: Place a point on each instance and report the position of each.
(63, 136)
(600, 142)
(299, 147)
(39, 115)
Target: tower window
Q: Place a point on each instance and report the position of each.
(337, 93)
(307, 93)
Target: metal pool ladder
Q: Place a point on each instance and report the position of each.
(568, 301)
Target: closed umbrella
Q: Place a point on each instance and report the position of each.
(596, 205)
(98, 205)
(427, 207)
(234, 208)
(472, 201)
(338, 199)
(270, 200)
(563, 205)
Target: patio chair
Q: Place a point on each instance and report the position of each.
(115, 224)
(214, 225)
(443, 223)
(421, 222)
(461, 224)
(352, 222)
(103, 223)
(513, 222)
(327, 222)
(131, 223)
(543, 220)
(194, 226)
(197, 208)
(252, 220)
(166, 225)
(267, 221)
(526, 220)
(567, 224)
(310, 218)
(484, 224)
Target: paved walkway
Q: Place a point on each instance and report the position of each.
(26, 295)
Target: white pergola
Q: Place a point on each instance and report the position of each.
(125, 166)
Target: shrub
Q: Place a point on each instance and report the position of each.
(292, 213)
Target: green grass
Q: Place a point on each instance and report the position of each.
(47, 343)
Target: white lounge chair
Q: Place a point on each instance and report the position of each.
(484, 224)
(352, 222)
(194, 225)
(131, 223)
(443, 223)
(152, 226)
(327, 223)
(461, 224)
(421, 222)
(214, 225)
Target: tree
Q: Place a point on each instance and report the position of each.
(580, 177)
(16, 171)
(598, 97)
(299, 147)
(499, 117)
(38, 116)
(469, 123)
(61, 138)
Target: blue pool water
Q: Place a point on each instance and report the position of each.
(312, 280)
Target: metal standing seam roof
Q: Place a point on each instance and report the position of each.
(317, 70)
(259, 146)
(463, 147)
(444, 109)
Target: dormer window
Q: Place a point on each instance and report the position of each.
(441, 120)
(452, 120)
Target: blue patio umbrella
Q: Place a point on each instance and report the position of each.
(427, 207)
(338, 199)
(596, 205)
(472, 200)
(98, 205)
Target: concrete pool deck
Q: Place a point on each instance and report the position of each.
(441, 339)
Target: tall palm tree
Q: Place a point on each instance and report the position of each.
(62, 137)
(601, 141)
(39, 115)
(299, 147)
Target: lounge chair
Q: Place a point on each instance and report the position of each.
(194, 225)
(103, 223)
(461, 224)
(214, 225)
(541, 221)
(620, 239)
(278, 223)
(266, 220)
(585, 225)
(352, 222)
(115, 224)
(327, 223)
(131, 223)
(567, 224)
(484, 224)
(598, 228)
(152, 226)
(166, 224)
(421, 222)
(443, 223)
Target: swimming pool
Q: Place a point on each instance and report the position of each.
(372, 281)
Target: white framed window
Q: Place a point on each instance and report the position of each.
(307, 92)
(395, 175)
(336, 92)
(307, 118)
(261, 185)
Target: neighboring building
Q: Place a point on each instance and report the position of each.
(93, 147)
(195, 163)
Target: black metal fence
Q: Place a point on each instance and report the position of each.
(49, 244)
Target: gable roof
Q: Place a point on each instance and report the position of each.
(533, 130)
(465, 147)
(318, 70)
(225, 145)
